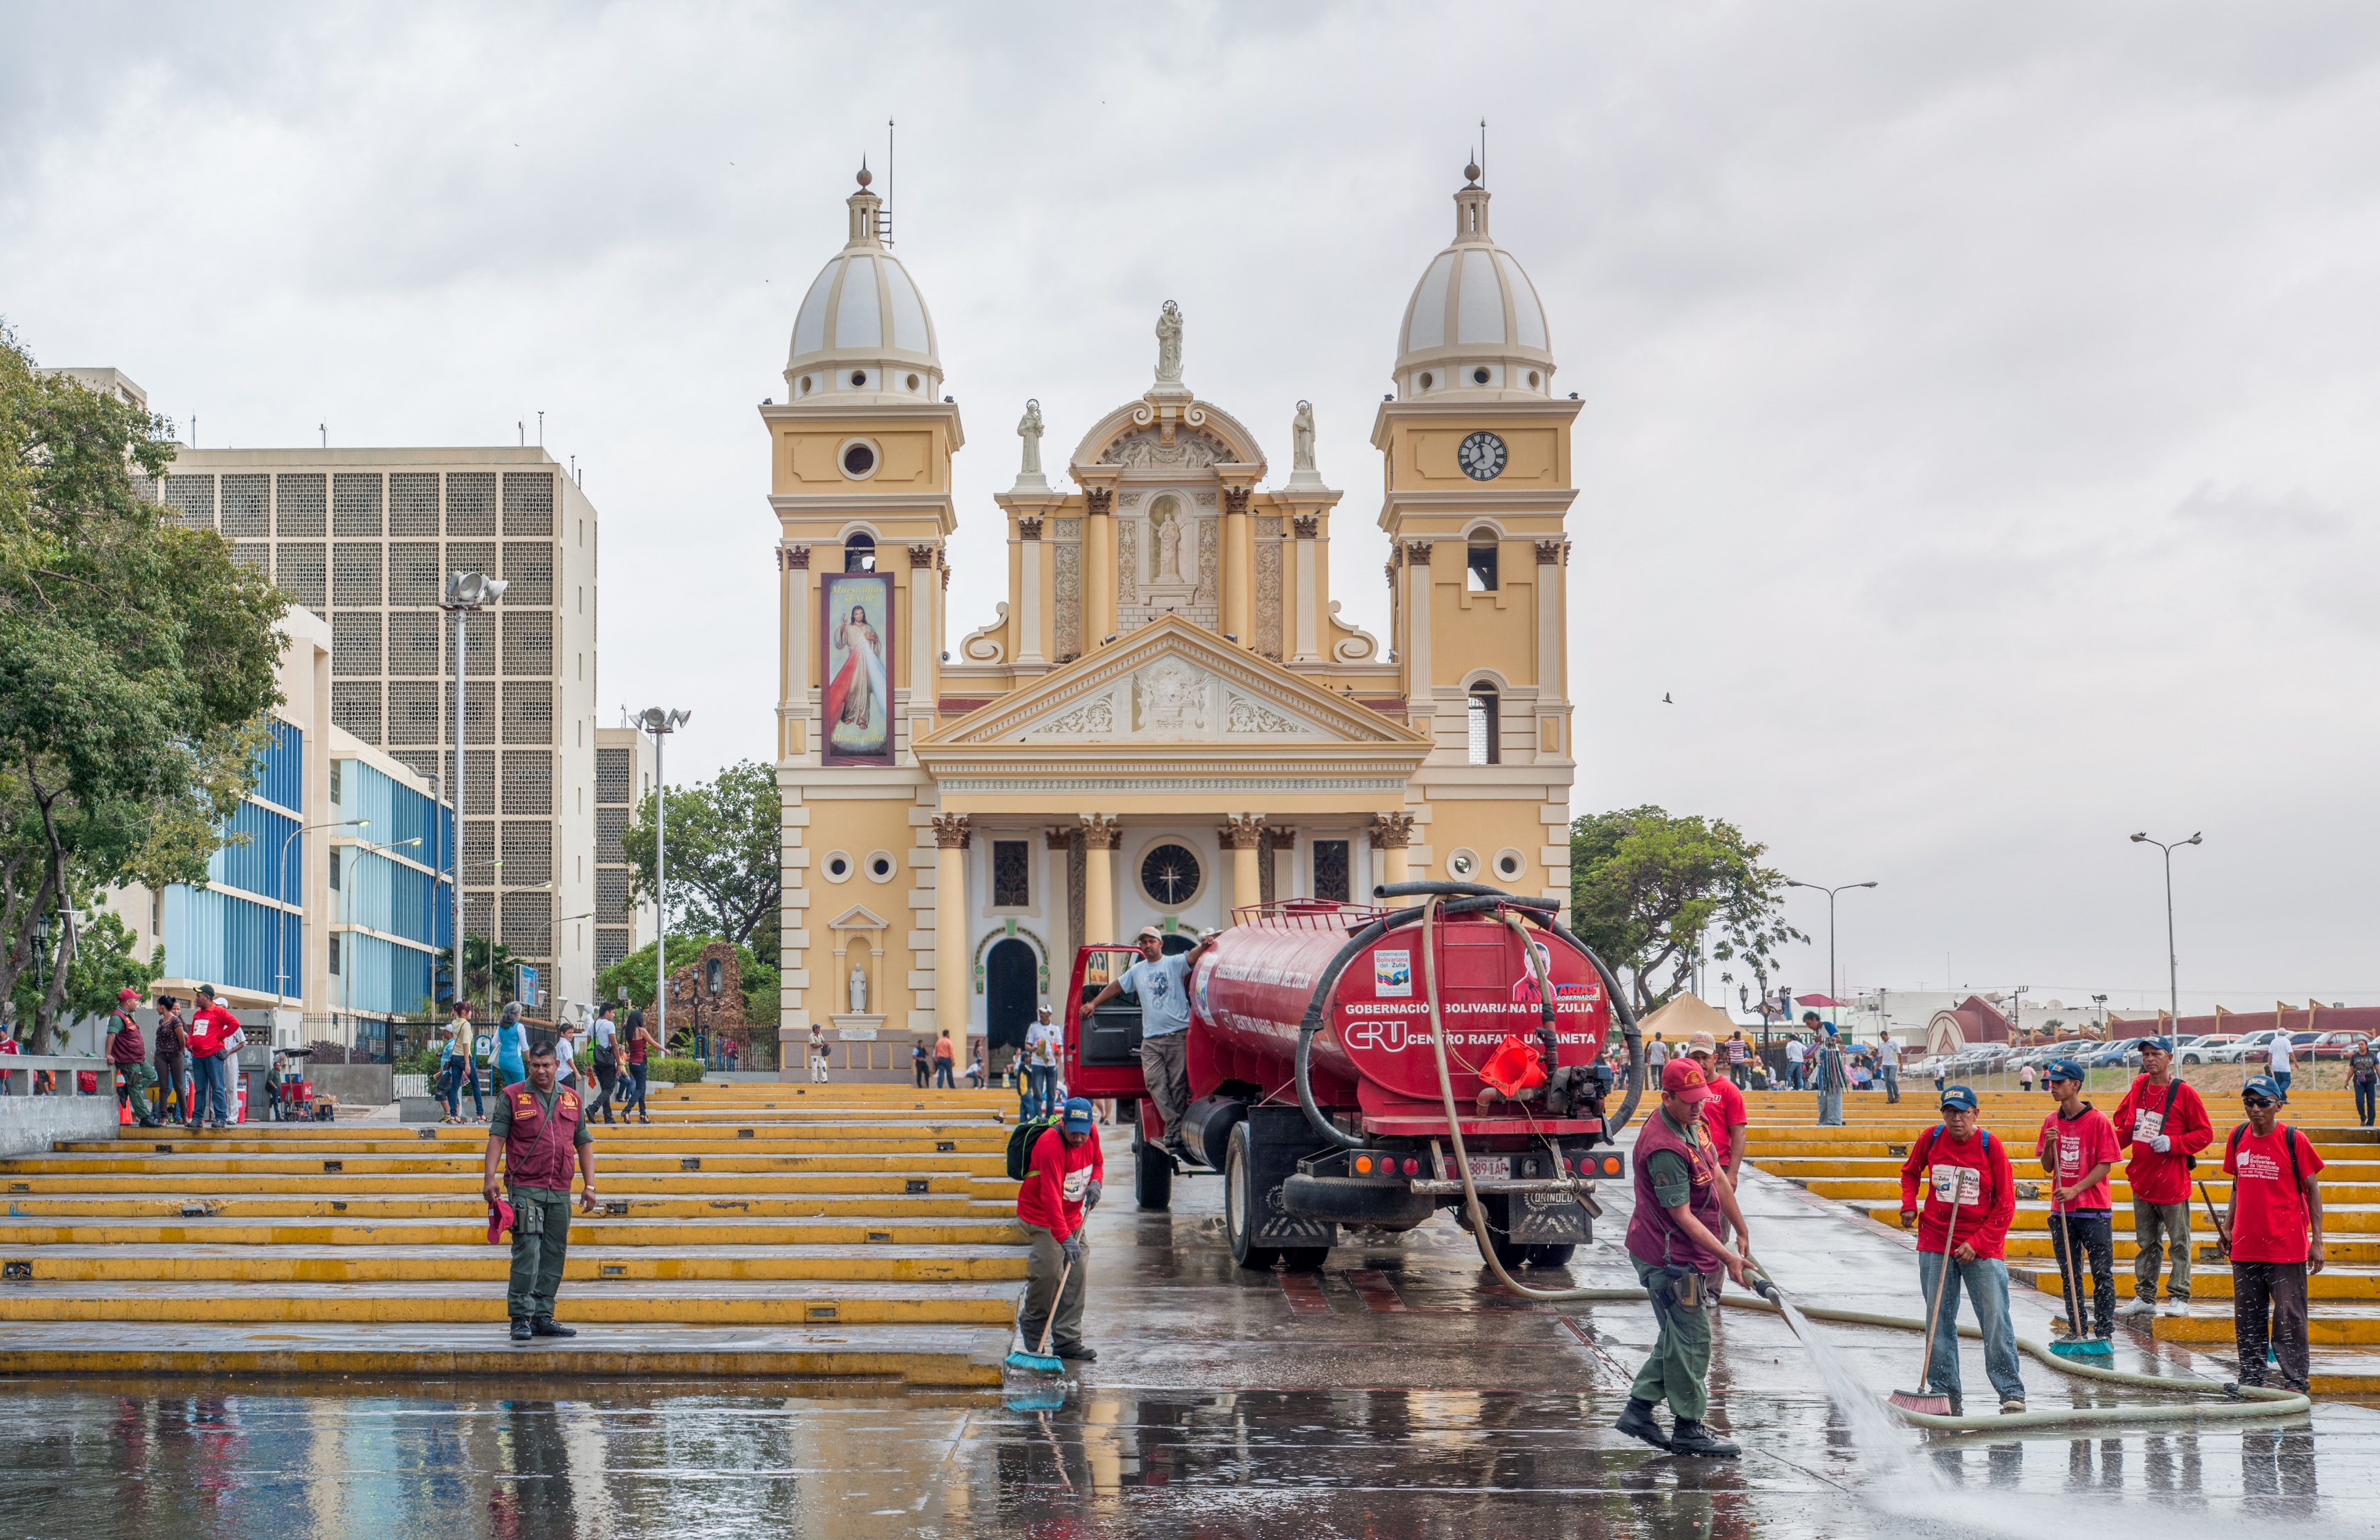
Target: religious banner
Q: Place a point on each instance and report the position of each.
(857, 611)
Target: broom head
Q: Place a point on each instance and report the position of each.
(2083, 1347)
(1924, 1401)
(1034, 1363)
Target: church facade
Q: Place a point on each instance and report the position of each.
(1167, 721)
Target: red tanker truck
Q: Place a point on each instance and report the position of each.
(1316, 1072)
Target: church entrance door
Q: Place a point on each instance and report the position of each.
(1010, 977)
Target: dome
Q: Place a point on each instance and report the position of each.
(1474, 323)
(863, 330)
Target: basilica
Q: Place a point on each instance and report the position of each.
(1167, 722)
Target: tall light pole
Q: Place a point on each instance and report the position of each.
(2172, 958)
(1830, 893)
(661, 724)
(281, 926)
(348, 905)
(466, 593)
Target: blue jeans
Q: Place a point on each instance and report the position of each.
(1985, 1280)
(1793, 1076)
(1040, 1090)
(452, 1079)
(2283, 1081)
(212, 1097)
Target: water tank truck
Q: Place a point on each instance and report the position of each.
(1318, 1088)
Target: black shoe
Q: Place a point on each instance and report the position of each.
(545, 1326)
(1079, 1353)
(521, 1329)
(1688, 1436)
(1637, 1422)
(1957, 1407)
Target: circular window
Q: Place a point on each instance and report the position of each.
(807, 383)
(1533, 379)
(1478, 376)
(912, 382)
(1169, 875)
(859, 460)
(837, 867)
(1511, 864)
(881, 866)
(859, 376)
(1463, 864)
(1427, 379)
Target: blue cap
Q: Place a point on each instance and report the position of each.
(2063, 1069)
(1078, 1115)
(1959, 1096)
(2262, 1086)
(2162, 1045)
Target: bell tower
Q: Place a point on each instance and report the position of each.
(1477, 494)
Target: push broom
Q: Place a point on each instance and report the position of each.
(1923, 1399)
(1043, 1363)
(2076, 1343)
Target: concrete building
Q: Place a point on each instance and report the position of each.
(1167, 719)
(364, 539)
(624, 778)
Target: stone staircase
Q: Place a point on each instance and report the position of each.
(751, 1229)
(1859, 1165)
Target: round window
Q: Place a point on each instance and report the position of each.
(912, 382)
(881, 865)
(1533, 379)
(1464, 865)
(837, 867)
(1478, 376)
(859, 376)
(1169, 874)
(1427, 380)
(807, 382)
(858, 460)
(1509, 864)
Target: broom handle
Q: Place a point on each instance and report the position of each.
(1052, 1321)
(2065, 1255)
(1941, 1282)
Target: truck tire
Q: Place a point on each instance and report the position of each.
(1552, 1255)
(1304, 1259)
(1496, 1208)
(1240, 1201)
(1152, 1177)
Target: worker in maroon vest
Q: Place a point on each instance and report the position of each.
(541, 1129)
(1684, 1200)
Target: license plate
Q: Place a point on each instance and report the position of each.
(1491, 1168)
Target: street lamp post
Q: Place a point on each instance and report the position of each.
(281, 926)
(1830, 893)
(661, 724)
(2172, 958)
(467, 592)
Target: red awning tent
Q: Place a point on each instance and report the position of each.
(1827, 1001)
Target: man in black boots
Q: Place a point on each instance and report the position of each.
(540, 1127)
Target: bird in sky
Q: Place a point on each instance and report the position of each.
(1665, 700)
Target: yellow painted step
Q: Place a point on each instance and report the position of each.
(748, 1184)
(2333, 1326)
(486, 1264)
(2345, 1219)
(2210, 1284)
(677, 1303)
(466, 1204)
(592, 1231)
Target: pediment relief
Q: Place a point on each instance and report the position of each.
(1146, 449)
(857, 917)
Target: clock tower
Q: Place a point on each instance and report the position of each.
(1477, 489)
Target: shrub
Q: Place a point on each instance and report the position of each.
(674, 1072)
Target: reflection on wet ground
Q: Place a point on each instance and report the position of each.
(1399, 1394)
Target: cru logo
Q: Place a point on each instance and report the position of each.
(1386, 1034)
(1393, 975)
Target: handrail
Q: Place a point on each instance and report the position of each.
(11, 1062)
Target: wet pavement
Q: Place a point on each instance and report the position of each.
(1401, 1393)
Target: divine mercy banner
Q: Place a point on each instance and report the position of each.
(857, 611)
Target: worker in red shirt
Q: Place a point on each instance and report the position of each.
(2275, 1229)
(209, 1063)
(1724, 1114)
(1060, 1187)
(2077, 1148)
(1965, 1170)
(2164, 1124)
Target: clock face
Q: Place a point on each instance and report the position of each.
(1169, 875)
(1481, 456)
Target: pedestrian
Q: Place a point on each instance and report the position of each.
(1161, 984)
(172, 1069)
(945, 1059)
(1657, 1053)
(1683, 1201)
(1038, 1086)
(919, 1062)
(817, 1054)
(1965, 1171)
(1060, 1189)
(211, 1031)
(540, 1129)
(1739, 1057)
(129, 1055)
(2363, 1074)
(2024, 1078)
(1941, 1073)
(727, 1052)
(566, 1058)
(1724, 1113)
(511, 1047)
(603, 1052)
(2164, 1125)
(460, 1066)
(640, 1048)
(2077, 1148)
(2275, 1229)
(976, 1072)
(1888, 1056)
(2278, 1054)
(1829, 1074)
(1794, 1055)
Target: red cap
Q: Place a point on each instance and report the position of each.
(1684, 1079)
(126, 993)
(500, 1219)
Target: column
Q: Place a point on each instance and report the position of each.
(1029, 602)
(1308, 647)
(951, 925)
(920, 676)
(793, 673)
(1241, 835)
(1098, 567)
(1391, 833)
(1552, 691)
(1420, 698)
(1100, 837)
(1238, 612)
(1060, 839)
(1284, 863)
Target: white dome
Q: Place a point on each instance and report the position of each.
(1475, 323)
(863, 327)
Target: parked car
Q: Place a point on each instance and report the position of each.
(2205, 1048)
(2255, 1045)
(2329, 1045)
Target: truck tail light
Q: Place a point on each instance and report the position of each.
(1363, 1165)
(1412, 1167)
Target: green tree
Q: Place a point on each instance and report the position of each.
(1645, 887)
(634, 974)
(725, 866)
(477, 961)
(137, 665)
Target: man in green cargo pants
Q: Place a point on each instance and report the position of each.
(540, 1127)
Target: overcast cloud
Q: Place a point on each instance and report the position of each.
(1977, 440)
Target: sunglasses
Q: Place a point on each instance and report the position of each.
(2256, 1101)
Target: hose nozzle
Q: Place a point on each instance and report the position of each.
(1764, 1286)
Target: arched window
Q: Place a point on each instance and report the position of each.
(1484, 747)
(1480, 576)
(859, 553)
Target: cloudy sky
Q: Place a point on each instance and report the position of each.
(1977, 440)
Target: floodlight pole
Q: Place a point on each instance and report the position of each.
(661, 724)
(465, 592)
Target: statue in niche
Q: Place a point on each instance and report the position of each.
(1029, 429)
(1169, 345)
(859, 990)
(1301, 435)
(1168, 521)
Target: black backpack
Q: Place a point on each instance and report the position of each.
(1021, 1142)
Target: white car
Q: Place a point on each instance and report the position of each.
(2252, 1050)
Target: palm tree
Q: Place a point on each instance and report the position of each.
(477, 962)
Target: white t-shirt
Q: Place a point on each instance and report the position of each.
(565, 1050)
(605, 1029)
(1043, 1043)
(1161, 987)
(1794, 1051)
(2281, 1056)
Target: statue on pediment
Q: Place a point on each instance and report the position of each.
(1169, 345)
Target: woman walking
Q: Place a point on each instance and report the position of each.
(460, 1067)
(512, 1048)
(640, 1045)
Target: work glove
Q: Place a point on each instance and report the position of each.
(1072, 1246)
(2160, 1144)
(1090, 1198)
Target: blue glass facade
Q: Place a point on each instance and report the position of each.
(392, 916)
(229, 933)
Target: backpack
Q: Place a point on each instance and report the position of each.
(1021, 1142)
(2290, 1143)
